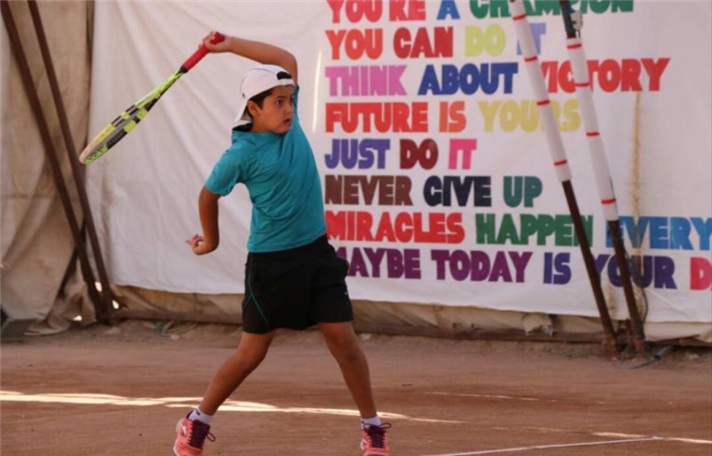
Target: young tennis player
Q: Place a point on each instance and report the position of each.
(293, 277)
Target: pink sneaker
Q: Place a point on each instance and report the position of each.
(374, 441)
(190, 437)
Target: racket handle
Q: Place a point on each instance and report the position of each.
(201, 52)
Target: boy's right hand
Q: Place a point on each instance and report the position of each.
(223, 46)
(199, 246)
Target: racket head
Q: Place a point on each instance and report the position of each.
(123, 124)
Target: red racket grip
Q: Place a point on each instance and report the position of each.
(201, 52)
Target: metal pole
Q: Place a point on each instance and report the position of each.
(560, 161)
(72, 156)
(579, 67)
(51, 153)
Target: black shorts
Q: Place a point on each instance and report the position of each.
(295, 288)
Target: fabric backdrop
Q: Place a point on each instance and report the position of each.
(438, 182)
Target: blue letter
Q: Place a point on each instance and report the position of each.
(448, 7)
(429, 82)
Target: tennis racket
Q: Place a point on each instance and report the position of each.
(127, 120)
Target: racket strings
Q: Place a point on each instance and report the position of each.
(124, 123)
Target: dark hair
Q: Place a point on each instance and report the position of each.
(260, 97)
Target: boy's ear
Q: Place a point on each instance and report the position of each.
(252, 108)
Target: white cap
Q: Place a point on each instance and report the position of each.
(257, 80)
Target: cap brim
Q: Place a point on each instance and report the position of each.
(243, 116)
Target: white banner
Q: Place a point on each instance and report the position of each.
(437, 178)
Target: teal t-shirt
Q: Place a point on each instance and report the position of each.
(283, 182)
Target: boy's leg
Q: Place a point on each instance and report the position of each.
(249, 355)
(344, 346)
(191, 432)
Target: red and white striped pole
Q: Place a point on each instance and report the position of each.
(531, 61)
(604, 182)
(596, 147)
(559, 160)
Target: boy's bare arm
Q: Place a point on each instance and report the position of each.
(261, 52)
(208, 208)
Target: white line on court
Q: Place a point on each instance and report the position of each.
(498, 396)
(487, 396)
(693, 441)
(178, 402)
(667, 439)
(607, 434)
(546, 447)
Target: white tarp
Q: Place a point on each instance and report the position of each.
(406, 242)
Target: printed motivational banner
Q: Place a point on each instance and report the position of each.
(437, 179)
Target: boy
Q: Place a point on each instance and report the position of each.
(293, 277)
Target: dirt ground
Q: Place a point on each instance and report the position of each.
(120, 391)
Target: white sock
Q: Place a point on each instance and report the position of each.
(200, 416)
(375, 421)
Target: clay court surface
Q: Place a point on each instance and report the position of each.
(86, 392)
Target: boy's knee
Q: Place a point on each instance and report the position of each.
(250, 358)
(251, 361)
(346, 348)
